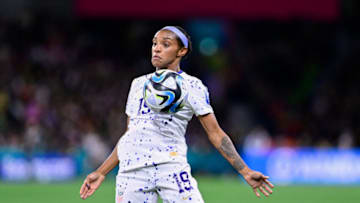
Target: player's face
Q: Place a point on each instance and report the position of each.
(165, 51)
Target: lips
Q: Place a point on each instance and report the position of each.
(156, 57)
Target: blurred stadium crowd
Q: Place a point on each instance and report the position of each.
(64, 84)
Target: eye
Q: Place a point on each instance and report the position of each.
(154, 44)
(166, 44)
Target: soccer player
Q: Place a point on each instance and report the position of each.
(152, 152)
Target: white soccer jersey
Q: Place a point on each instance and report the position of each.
(154, 138)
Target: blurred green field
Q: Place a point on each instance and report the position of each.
(214, 190)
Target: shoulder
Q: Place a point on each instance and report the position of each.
(198, 95)
(193, 82)
(140, 79)
(189, 77)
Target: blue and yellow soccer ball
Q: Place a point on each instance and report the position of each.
(165, 91)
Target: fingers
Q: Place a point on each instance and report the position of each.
(269, 183)
(91, 191)
(256, 192)
(267, 189)
(82, 188)
(263, 188)
(88, 193)
(265, 179)
(84, 191)
(259, 181)
(91, 183)
(263, 191)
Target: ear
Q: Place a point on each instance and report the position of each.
(182, 52)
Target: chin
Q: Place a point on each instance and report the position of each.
(158, 65)
(154, 63)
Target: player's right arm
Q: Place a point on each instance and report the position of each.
(93, 181)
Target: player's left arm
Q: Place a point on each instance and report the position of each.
(224, 145)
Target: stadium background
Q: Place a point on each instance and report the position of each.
(283, 79)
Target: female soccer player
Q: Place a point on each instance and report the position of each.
(152, 152)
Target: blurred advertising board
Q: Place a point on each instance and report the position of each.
(283, 165)
(16, 166)
(307, 165)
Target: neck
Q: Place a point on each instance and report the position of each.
(174, 67)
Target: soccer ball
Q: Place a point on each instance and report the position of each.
(165, 91)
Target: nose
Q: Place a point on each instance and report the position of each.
(157, 48)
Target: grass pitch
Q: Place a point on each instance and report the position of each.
(214, 190)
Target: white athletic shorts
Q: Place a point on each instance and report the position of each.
(171, 181)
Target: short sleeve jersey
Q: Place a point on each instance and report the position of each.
(154, 138)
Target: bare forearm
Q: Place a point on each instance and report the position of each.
(109, 163)
(112, 159)
(224, 145)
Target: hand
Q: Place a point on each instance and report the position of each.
(258, 181)
(91, 183)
